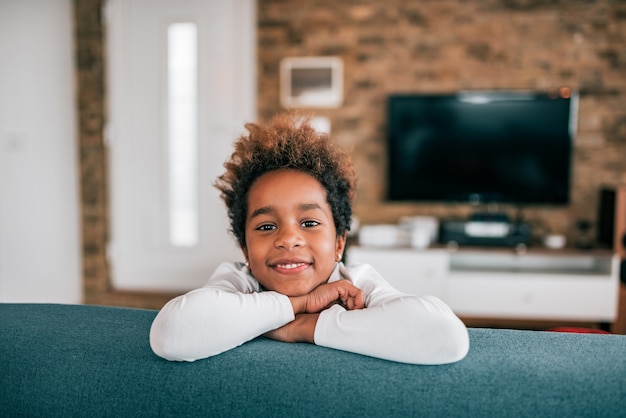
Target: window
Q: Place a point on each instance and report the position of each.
(182, 134)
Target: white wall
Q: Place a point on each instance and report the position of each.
(39, 216)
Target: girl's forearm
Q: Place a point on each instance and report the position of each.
(206, 322)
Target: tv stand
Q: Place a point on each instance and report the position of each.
(541, 284)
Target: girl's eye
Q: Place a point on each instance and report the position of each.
(266, 227)
(309, 224)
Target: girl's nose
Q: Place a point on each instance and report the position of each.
(289, 237)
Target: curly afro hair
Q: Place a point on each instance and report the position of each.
(287, 142)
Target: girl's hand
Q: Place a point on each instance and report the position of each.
(301, 329)
(325, 295)
(307, 308)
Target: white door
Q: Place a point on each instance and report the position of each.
(181, 85)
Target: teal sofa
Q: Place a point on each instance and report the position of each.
(90, 361)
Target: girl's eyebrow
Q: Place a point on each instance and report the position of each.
(309, 206)
(269, 209)
(261, 211)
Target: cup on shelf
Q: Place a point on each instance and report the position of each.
(554, 241)
(420, 238)
(423, 230)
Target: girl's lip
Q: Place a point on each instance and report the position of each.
(286, 261)
(290, 266)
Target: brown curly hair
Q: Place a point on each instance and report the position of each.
(287, 142)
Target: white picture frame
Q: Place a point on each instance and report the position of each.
(311, 82)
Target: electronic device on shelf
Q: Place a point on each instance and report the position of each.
(486, 230)
(481, 147)
(611, 227)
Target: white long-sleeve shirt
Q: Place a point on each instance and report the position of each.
(232, 309)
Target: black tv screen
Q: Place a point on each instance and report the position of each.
(481, 147)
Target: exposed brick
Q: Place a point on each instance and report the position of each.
(403, 46)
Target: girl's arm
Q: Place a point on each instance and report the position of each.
(307, 309)
(224, 314)
(394, 326)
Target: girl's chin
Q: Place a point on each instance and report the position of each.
(294, 291)
(292, 286)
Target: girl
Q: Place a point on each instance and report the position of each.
(288, 191)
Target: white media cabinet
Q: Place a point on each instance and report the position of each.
(539, 284)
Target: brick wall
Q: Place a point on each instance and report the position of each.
(402, 46)
(398, 46)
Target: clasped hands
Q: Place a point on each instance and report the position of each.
(308, 307)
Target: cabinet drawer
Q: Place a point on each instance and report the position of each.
(409, 270)
(533, 296)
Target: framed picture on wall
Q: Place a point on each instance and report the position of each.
(311, 82)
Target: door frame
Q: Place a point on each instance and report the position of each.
(91, 102)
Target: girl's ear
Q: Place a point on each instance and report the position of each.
(341, 245)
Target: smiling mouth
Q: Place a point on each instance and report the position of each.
(290, 266)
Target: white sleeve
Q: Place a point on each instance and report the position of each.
(217, 317)
(394, 326)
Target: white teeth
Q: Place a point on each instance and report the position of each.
(289, 266)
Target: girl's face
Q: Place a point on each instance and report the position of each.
(291, 242)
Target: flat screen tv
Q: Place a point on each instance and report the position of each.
(481, 147)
